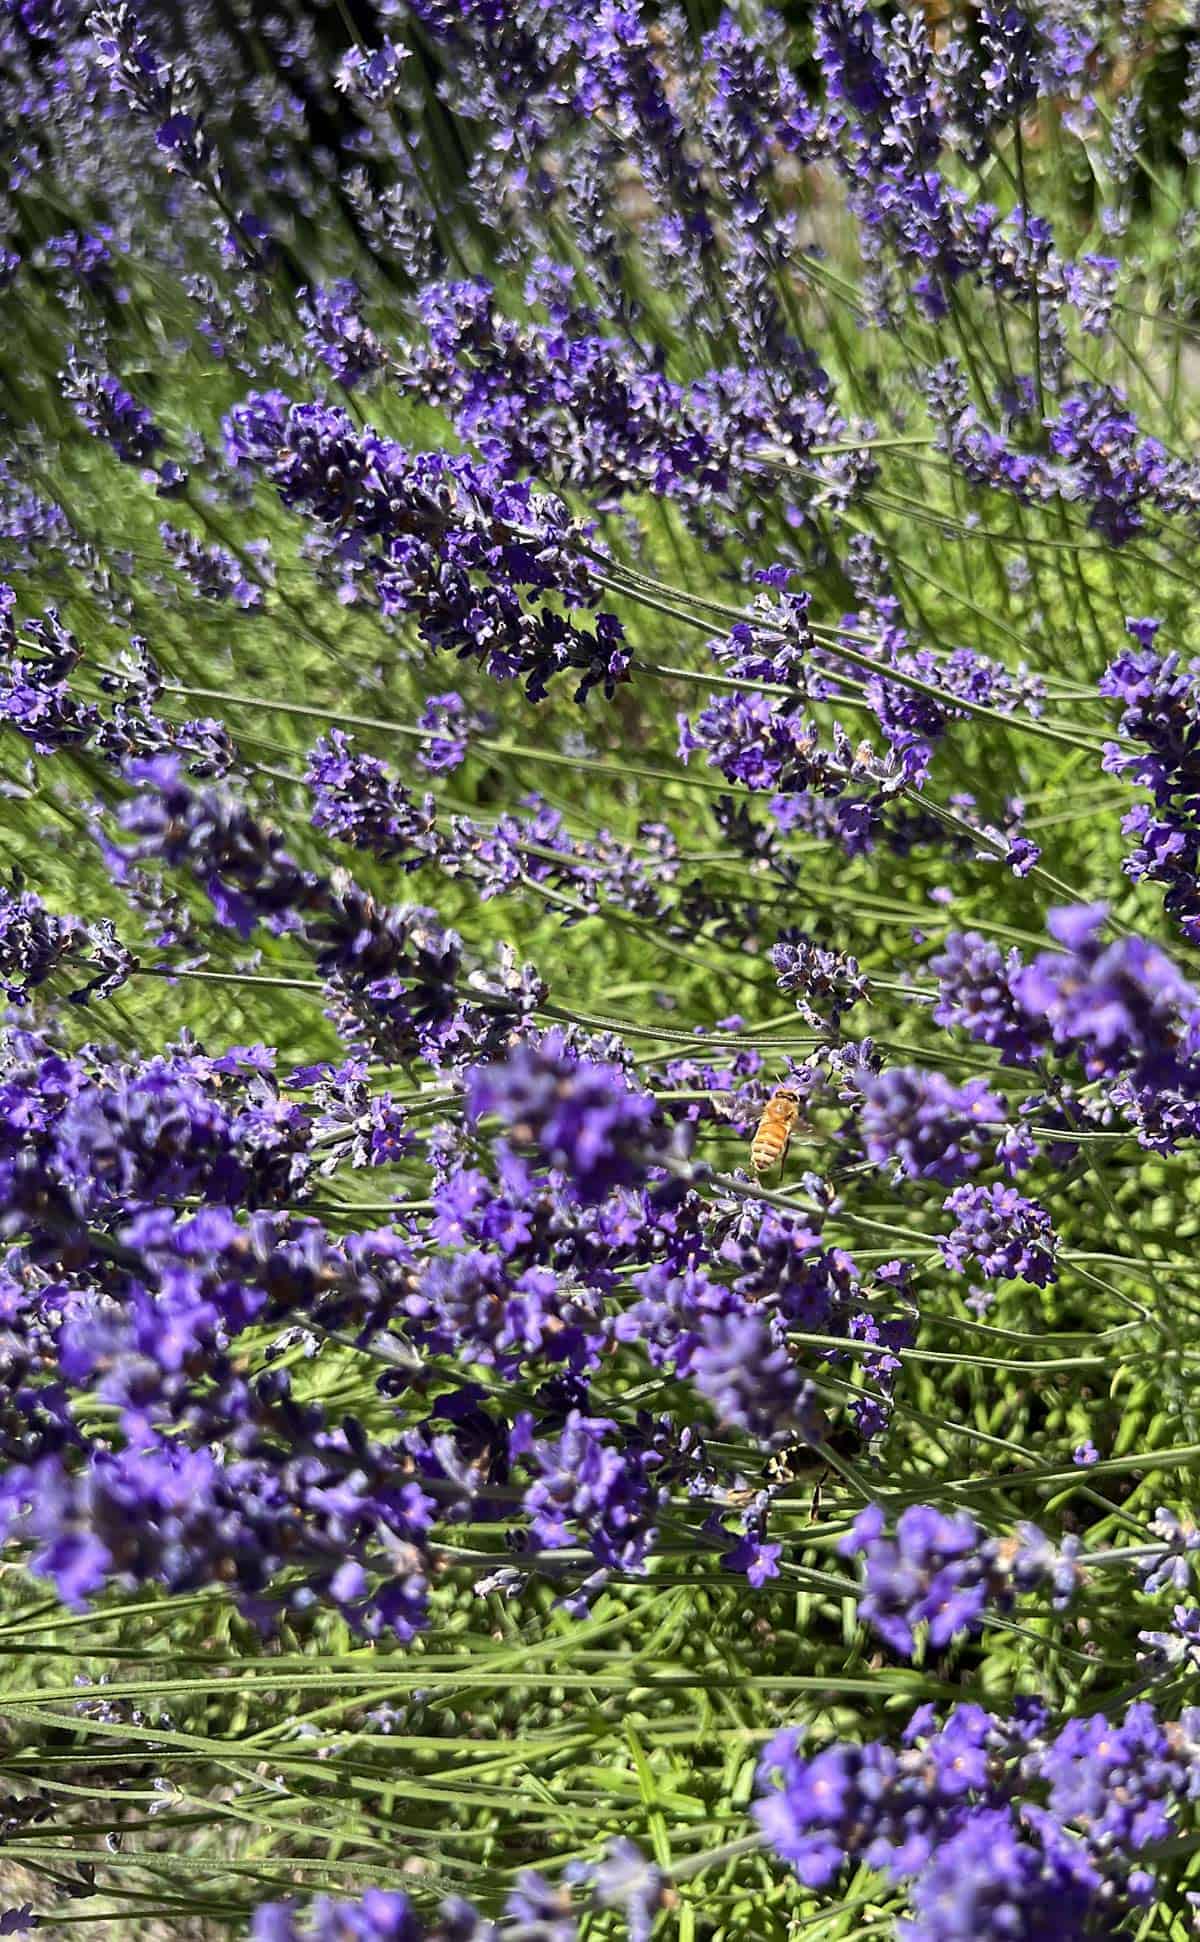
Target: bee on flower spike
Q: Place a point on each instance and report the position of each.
(773, 1134)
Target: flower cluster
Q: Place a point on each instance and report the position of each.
(111, 412)
(35, 944)
(975, 991)
(454, 543)
(584, 409)
(214, 572)
(1160, 713)
(924, 1126)
(1123, 1008)
(360, 801)
(992, 1826)
(1003, 1232)
(580, 1116)
(393, 975)
(815, 973)
(536, 1911)
(943, 1571)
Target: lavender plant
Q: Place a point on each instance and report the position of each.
(565, 568)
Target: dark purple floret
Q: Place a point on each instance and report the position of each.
(466, 551)
(163, 95)
(242, 865)
(818, 977)
(954, 1815)
(986, 457)
(1111, 465)
(535, 1912)
(35, 943)
(163, 1513)
(759, 743)
(449, 724)
(36, 697)
(339, 334)
(594, 411)
(752, 1382)
(1124, 1007)
(214, 572)
(1160, 697)
(752, 1555)
(394, 975)
(991, 1880)
(592, 1482)
(356, 800)
(994, 72)
(373, 72)
(84, 259)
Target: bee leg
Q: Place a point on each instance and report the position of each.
(814, 1509)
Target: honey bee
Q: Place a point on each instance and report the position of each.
(773, 1133)
(796, 1465)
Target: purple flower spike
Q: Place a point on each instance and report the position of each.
(582, 1116)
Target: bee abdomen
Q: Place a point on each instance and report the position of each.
(774, 1132)
(768, 1148)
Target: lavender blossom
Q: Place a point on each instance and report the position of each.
(457, 546)
(214, 572)
(534, 1912)
(393, 975)
(1007, 1235)
(925, 1126)
(753, 1383)
(625, 1879)
(944, 1572)
(947, 1816)
(583, 1117)
(372, 71)
(814, 973)
(591, 1482)
(449, 724)
(1160, 697)
(139, 74)
(338, 333)
(111, 412)
(1124, 1006)
(975, 991)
